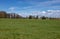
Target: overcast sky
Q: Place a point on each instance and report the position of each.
(49, 8)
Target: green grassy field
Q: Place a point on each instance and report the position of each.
(29, 29)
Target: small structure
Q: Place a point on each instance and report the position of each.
(13, 15)
(3, 14)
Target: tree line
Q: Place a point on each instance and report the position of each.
(3, 14)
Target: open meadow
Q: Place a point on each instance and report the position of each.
(29, 29)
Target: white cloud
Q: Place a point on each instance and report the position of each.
(53, 11)
(43, 12)
(45, 4)
(36, 6)
(48, 13)
(33, 10)
(12, 8)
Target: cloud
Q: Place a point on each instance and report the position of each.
(36, 5)
(12, 8)
(53, 13)
(44, 8)
(48, 13)
(40, 5)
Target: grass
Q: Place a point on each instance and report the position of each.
(29, 29)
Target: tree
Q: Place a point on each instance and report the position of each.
(30, 17)
(36, 17)
(43, 17)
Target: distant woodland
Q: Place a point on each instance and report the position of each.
(4, 14)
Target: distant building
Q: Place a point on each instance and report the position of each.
(13, 15)
(3, 14)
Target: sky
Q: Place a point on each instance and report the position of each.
(50, 8)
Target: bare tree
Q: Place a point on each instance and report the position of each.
(36, 17)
